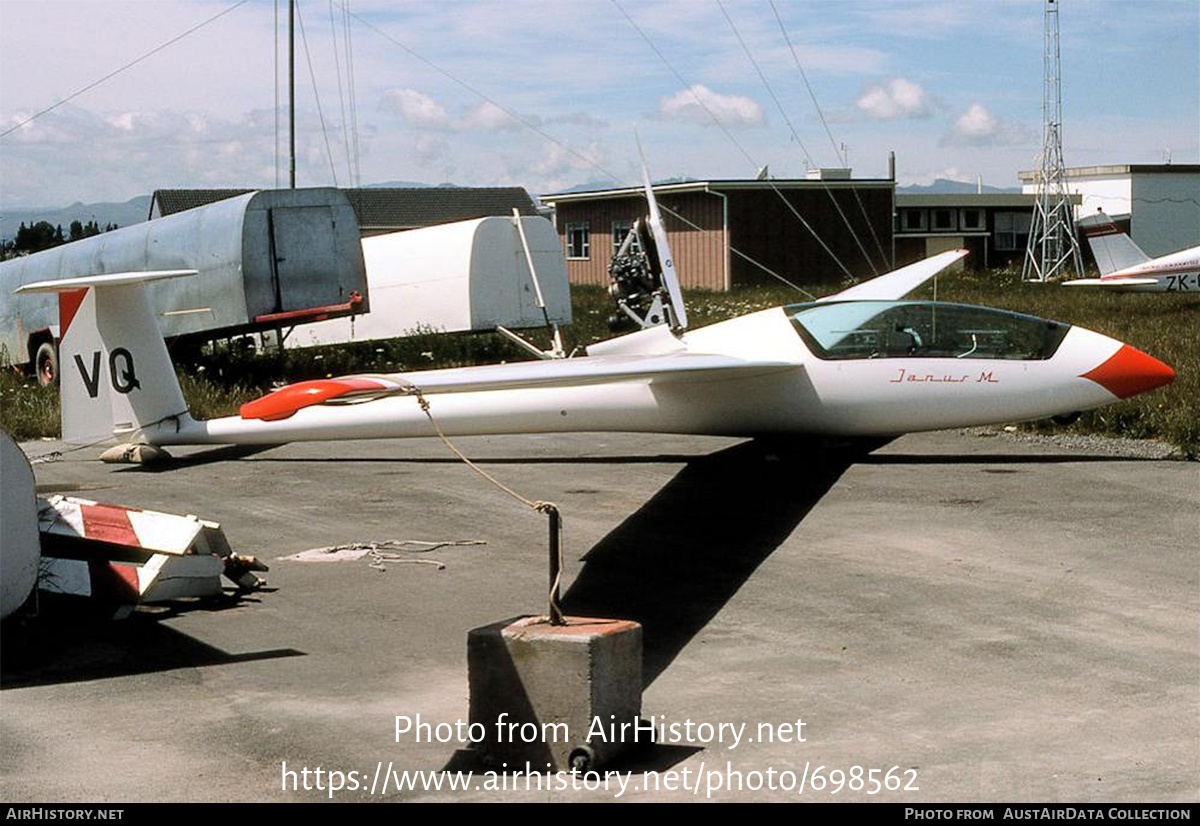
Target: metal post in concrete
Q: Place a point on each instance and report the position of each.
(555, 611)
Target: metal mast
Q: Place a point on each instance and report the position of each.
(291, 94)
(1053, 246)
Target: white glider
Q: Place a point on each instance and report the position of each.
(863, 362)
(1125, 267)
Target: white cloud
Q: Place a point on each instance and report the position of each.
(434, 157)
(157, 125)
(75, 154)
(949, 173)
(559, 166)
(417, 109)
(422, 111)
(731, 110)
(124, 121)
(895, 99)
(979, 127)
(488, 117)
(558, 159)
(580, 119)
(928, 20)
(976, 123)
(430, 150)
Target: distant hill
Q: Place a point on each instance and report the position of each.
(595, 186)
(944, 186)
(133, 211)
(406, 185)
(589, 186)
(940, 186)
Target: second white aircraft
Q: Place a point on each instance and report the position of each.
(1125, 267)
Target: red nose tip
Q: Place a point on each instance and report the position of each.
(1130, 371)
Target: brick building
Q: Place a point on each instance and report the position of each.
(723, 233)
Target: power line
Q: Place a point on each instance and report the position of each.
(128, 65)
(353, 95)
(276, 90)
(795, 135)
(448, 74)
(564, 146)
(837, 153)
(316, 94)
(734, 140)
(337, 64)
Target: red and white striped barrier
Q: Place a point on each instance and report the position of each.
(128, 555)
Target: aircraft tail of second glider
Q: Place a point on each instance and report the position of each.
(1114, 250)
(117, 377)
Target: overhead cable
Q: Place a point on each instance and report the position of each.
(734, 140)
(316, 94)
(128, 65)
(570, 150)
(796, 136)
(337, 63)
(836, 150)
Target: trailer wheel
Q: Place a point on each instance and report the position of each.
(45, 364)
(582, 758)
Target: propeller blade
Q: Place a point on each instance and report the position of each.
(666, 261)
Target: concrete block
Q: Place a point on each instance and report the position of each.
(539, 691)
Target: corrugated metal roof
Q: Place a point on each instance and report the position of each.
(383, 209)
(723, 185)
(426, 206)
(170, 201)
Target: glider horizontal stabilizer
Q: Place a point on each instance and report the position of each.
(1110, 282)
(112, 279)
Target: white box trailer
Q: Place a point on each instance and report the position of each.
(464, 276)
(264, 260)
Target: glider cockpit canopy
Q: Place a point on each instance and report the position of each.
(922, 329)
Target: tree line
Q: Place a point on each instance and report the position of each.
(43, 235)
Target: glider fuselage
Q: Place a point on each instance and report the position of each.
(859, 368)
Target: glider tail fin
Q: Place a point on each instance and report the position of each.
(116, 378)
(1113, 249)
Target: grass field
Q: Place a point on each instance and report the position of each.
(1166, 326)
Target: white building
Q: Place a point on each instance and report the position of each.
(1161, 202)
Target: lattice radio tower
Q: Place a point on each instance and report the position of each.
(1053, 246)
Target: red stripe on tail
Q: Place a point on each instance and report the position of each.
(68, 305)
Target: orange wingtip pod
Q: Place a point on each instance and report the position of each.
(284, 402)
(1129, 372)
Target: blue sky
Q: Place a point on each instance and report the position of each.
(953, 87)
